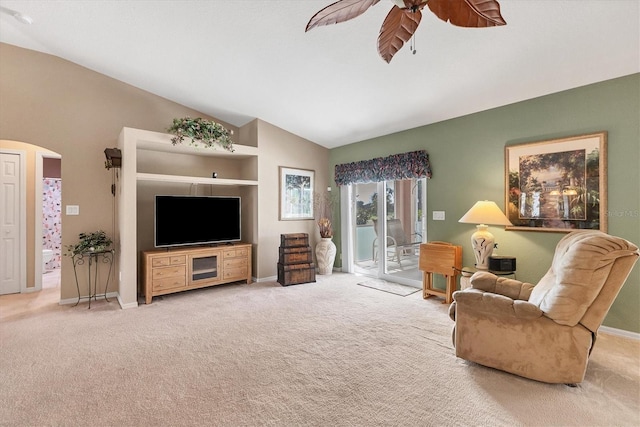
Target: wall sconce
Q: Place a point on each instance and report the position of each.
(114, 158)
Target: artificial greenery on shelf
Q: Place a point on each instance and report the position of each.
(90, 242)
(208, 132)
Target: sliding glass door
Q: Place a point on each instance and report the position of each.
(404, 230)
(385, 231)
(364, 206)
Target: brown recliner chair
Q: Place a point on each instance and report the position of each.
(544, 332)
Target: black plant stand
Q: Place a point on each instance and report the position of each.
(93, 260)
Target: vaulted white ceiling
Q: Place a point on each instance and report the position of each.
(242, 59)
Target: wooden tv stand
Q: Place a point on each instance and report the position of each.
(166, 271)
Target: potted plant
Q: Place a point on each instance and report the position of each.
(326, 230)
(208, 132)
(325, 249)
(96, 241)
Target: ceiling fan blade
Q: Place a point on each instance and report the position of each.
(397, 28)
(411, 4)
(340, 11)
(468, 13)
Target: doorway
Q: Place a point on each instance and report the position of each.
(27, 189)
(12, 221)
(396, 218)
(48, 220)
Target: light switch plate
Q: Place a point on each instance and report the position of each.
(438, 215)
(73, 210)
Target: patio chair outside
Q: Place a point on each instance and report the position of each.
(398, 244)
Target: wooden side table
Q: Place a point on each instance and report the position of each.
(441, 258)
(465, 277)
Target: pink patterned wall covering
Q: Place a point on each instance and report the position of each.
(51, 217)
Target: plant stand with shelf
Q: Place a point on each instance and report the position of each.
(93, 260)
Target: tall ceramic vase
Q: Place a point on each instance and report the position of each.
(325, 255)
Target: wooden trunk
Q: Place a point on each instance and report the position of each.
(295, 255)
(294, 240)
(295, 274)
(295, 264)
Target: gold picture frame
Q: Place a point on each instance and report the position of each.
(297, 188)
(557, 185)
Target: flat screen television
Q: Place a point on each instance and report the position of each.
(196, 220)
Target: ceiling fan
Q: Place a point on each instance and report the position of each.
(405, 15)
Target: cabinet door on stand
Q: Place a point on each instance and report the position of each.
(204, 268)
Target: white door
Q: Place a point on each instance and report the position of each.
(10, 223)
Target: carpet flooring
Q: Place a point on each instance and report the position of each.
(329, 353)
(391, 287)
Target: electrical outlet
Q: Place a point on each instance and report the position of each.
(438, 215)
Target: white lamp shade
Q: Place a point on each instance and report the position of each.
(485, 212)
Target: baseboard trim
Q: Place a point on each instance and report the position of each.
(619, 333)
(75, 300)
(126, 306)
(275, 278)
(68, 301)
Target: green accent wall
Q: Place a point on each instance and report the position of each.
(467, 157)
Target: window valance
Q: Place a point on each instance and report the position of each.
(414, 164)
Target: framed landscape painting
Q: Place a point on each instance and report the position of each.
(296, 193)
(557, 185)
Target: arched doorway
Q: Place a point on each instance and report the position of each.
(35, 164)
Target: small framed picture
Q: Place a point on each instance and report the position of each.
(296, 193)
(557, 185)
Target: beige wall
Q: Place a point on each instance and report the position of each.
(73, 111)
(281, 148)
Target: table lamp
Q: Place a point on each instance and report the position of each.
(483, 213)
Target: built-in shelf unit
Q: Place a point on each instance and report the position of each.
(152, 164)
